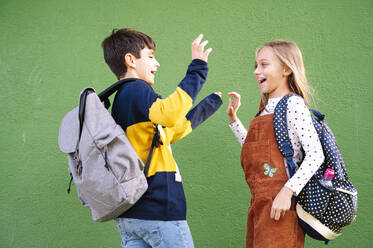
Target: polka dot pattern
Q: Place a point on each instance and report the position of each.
(333, 208)
(239, 131)
(308, 154)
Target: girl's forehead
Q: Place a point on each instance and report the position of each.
(265, 53)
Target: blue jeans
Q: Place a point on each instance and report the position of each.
(154, 233)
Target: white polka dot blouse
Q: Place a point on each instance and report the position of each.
(303, 136)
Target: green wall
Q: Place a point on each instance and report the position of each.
(50, 50)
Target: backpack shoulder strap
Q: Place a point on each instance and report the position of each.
(104, 95)
(281, 132)
(156, 142)
(82, 103)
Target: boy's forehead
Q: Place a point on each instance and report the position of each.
(147, 50)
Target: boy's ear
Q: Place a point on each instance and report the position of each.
(129, 60)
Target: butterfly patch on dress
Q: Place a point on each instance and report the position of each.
(268, 170)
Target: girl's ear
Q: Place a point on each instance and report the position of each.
(287, 71)
(129, 60)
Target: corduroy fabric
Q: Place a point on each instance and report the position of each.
(265, 173)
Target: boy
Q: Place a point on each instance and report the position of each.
(158, 219)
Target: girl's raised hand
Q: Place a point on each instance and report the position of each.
(233, 106)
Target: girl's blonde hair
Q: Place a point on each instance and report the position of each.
(290, 56)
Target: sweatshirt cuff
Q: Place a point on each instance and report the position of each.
(195, 78)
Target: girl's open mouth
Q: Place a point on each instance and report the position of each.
(261, 81)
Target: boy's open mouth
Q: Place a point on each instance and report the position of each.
(153, 72)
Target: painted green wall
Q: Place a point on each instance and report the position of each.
(50, 50)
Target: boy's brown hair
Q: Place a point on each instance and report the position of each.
(121, 42)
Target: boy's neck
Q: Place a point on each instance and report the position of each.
(129, 74)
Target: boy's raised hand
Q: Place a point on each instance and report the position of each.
(198, 47)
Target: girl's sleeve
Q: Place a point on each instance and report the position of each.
(239, 131)
(300, 125)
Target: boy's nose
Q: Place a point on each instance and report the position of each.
(157, 63)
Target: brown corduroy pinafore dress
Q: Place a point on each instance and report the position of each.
(265, 174)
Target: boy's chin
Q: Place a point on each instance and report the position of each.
(149, 82)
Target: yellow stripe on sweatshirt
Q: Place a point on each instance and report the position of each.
(168, 112)
(140, 135)
(181, 129)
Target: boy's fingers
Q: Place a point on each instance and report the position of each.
(208, 51)
(198, 39)
(203, 44)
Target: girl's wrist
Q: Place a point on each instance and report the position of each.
(232, 119)
(288, 191)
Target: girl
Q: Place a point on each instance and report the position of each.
(272, 220)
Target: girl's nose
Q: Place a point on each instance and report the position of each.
(256, 70)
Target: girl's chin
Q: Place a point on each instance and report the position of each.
(263, 90)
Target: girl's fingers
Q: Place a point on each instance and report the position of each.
(230, 106)
(232, 103)
(234, 94)
(236, 103)
(277, 215)
(272, 213)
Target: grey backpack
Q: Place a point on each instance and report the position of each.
(108, 174)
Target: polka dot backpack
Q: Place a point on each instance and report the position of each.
(323, 210)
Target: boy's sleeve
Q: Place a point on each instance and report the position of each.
(169, 111)
(195, 117)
